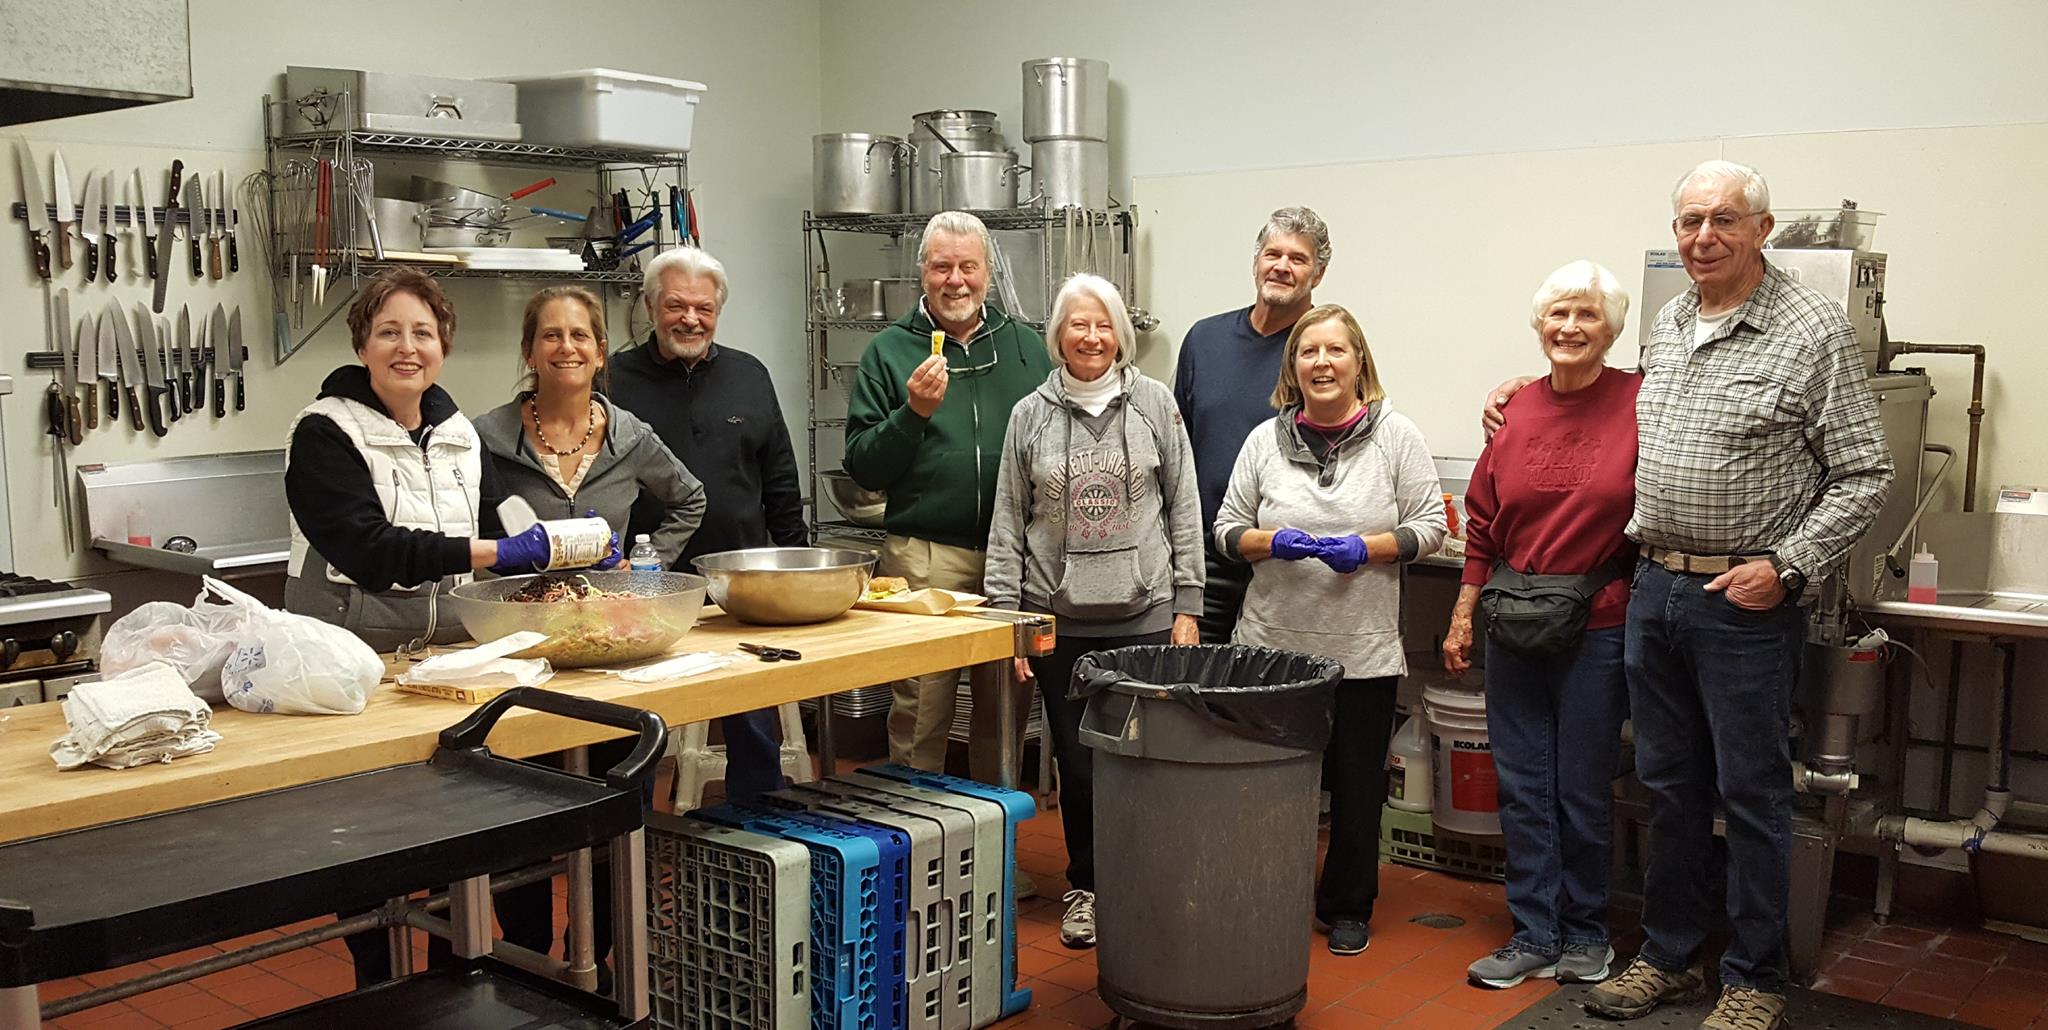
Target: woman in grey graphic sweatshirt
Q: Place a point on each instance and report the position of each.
(1326, 501)
(1097, 521)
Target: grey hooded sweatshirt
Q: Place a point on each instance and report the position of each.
(1097, 518)
(630, 461)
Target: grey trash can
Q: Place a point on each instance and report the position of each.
(1207, 762)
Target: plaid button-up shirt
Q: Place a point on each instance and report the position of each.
(1765, 438)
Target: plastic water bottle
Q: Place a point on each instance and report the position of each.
(643, 558)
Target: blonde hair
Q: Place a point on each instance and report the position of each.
(1287, 393)
(1103, 292)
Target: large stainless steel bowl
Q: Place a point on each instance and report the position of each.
(786, 586)
(600, 631)
(860, 505)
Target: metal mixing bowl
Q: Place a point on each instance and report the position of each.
(860, 505)
(786, 586)
(601, 631)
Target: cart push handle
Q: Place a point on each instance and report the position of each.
(630, 774)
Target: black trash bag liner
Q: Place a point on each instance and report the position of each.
(1283, 698)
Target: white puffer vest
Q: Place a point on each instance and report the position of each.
(435, 489)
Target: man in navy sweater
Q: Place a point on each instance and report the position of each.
(716, 409)
(1227, 368)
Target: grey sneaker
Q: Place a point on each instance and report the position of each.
(1510, 966)
(1077, 927)
(1642, 987)
(1746, 1008)
(1585, 963)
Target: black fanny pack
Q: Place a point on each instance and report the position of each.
(1544, 616)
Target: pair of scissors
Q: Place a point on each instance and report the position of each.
(771, 654)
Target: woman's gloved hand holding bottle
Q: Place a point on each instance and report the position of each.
(557, 545)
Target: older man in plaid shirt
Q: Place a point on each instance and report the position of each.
(1762, 461)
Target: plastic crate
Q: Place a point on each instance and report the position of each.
(928, 915)
(728, 934)
(971, 994)
(1410, 838)
(891, 907)
(1017, 807)
(845, 875)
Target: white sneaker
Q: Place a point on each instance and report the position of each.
(1077, 927)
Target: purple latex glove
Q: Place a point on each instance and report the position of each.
(612, 558)
(1341, 553)
(523, 552)
(1293, 545)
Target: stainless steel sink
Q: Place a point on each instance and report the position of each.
(1994, 571)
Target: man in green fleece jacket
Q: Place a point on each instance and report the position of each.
(928, 428)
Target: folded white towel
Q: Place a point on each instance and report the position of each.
(147, 714)
(485, 665)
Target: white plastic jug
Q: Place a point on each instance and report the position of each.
(1408, 775)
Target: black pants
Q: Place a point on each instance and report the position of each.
(1222, 597)
(1076, 761)
(1355, 773)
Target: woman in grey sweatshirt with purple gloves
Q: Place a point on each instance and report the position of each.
(1326, 502)
(1097, 521)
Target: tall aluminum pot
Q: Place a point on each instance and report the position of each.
(1071, 173)
(1066, 98)
(930, 135)
(980, 180)
(857, 173)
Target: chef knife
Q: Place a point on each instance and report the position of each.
(160, 266)
(216, 222)
(235, 356)
(178, 379)
(217, 333)
(196, 359)
(107, 362)
(195, 199)
(155, 388)
(105, 214)
(234, 220)
(60, 177)
(38, 213)
(128, 364)
(88, 224)
(67, 374)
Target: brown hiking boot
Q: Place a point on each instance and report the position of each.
(1642, 987)
(1746, 1008)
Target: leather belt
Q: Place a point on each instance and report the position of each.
(1705, 564)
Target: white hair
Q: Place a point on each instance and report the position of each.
(1103, 292)
(1754, 192)
(692, 262)
(955, 223)
(1297, 221)
(1582, 279)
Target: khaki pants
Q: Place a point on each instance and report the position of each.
(921, 712)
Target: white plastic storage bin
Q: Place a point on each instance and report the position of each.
(600, 107)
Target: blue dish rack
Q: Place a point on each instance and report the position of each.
(846, 879)
(892, 900)
(1017, 807)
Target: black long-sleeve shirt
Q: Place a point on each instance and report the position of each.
(327, 484)
(722, 419)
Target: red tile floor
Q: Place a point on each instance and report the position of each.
(1412, 976)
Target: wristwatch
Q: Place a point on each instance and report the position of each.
(1790, 578)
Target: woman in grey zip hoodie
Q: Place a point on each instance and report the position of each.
(1341, 478)
(1098, 522)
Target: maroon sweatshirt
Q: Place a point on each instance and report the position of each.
(1554, 490)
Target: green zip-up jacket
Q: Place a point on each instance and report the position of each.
(940, 472)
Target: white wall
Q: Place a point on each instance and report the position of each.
(750, 165)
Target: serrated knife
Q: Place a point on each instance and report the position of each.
(195, 202)
(160, 266)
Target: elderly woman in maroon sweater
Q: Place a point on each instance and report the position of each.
(1552, 495)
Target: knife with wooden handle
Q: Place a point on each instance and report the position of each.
(215, 217)
(195, 199)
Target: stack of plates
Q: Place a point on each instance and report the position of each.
(514, 258)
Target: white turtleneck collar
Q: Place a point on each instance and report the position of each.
(1093, 396)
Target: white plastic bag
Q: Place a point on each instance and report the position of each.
(294, 664)
(195, 641)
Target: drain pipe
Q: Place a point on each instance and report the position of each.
(1976, 352)
(1980, 832)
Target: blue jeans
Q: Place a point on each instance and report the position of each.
(1555, 725)
(1710, 688)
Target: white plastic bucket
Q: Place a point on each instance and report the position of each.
(1461, 759)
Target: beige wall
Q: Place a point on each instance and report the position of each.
(750, 166)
